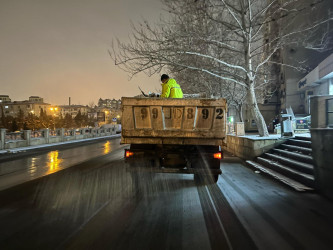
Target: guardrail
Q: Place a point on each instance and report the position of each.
(27, 138)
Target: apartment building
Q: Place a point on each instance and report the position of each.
(4, 99)
(317, 82)
(108, 103)
(72, 110)
(295, 86)
(34, 105)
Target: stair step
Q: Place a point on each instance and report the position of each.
(299, 166)
(294, 155)
(294, 148)
(301, 177)
(302, 143)
(284, 179)
(302, 138)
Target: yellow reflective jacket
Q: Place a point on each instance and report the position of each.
(171, 89)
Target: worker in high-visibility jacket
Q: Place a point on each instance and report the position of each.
(170, 88)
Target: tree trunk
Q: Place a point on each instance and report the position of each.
(239, 109)
(255, 112)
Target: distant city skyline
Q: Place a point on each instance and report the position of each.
(58, 49)
(13, 99)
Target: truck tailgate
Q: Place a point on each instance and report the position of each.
(173, 121)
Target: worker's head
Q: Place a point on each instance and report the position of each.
(164, 78)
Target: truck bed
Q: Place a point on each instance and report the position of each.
(194, 121)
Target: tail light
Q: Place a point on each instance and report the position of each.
(128, 153)
(218, 155)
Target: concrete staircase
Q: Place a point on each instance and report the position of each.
(290, 163)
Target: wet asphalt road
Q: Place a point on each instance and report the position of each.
(92, 204)
(18, 168)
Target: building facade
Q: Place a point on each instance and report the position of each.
(35, 99)
(303, 70)
(72, 110)
(291, 94)
(108, 103)
(318, 82)
(35, 105)
(4, 99)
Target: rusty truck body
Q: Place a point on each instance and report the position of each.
(174, 135)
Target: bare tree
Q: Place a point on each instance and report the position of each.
(91, 104)
(226, 42)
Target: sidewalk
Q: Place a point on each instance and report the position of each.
(252, 145)
(255, 136)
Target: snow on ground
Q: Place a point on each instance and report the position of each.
(271, 136)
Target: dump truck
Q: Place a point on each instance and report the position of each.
(174, 135)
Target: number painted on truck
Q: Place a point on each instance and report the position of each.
(205, 113)
(190, 114)
(220, 114)
(155, 113)
(142, 117)
(176, 113)
(144, 113)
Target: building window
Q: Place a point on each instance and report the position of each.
(330, 87)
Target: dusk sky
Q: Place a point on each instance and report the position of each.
(57, 49)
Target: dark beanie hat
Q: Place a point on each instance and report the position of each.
(164, 76)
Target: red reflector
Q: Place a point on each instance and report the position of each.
(218, 155)
(128, 154)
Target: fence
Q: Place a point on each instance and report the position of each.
(47, 136)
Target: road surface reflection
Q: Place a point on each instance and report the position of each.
(54, 161)
(27, 168)
(107, 147)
